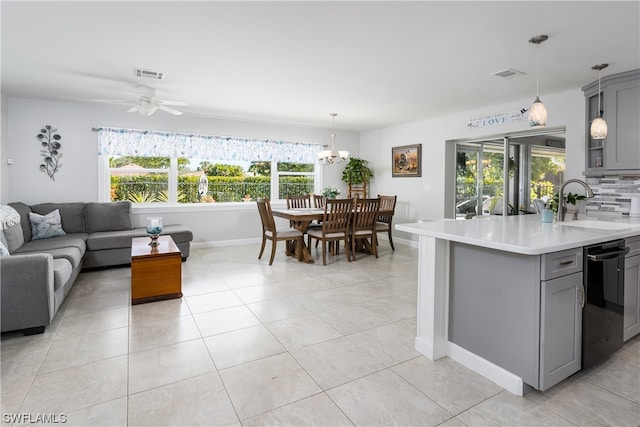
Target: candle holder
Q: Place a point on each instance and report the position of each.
(154, 228)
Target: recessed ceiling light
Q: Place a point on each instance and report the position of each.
(508, 73)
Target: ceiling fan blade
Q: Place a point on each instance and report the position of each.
(175, 103)
(133, 109)
(115, 101)
(169, 110)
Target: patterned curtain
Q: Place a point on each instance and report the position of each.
(152, 143)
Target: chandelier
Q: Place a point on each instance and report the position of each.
(329, 157)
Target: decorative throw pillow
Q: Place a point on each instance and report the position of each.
(13, 237)
(3, 250)
(45, 226)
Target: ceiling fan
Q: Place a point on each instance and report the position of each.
(146, 102)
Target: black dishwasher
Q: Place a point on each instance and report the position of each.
(602, 325)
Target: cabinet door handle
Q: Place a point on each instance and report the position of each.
(581, 295)
(566, 262)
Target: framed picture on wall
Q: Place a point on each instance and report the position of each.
(407, 161)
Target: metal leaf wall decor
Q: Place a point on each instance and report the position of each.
(50, 141)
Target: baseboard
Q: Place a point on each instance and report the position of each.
(498, 375)
(258, 240)
(224, 243)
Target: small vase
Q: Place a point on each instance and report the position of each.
(154, 229)
(547, 215)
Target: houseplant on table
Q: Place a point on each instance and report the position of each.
(571, 201)
(356, 173)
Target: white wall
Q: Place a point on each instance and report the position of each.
(417, 197)
(4, 120)
(77, 180)
(424, 197)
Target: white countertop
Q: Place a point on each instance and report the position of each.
(524, 234)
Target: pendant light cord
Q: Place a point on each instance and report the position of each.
(599, 109)
(333, 131)
(537, 40)
(538, 79)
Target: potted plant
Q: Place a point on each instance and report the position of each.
(356, 172)
(569, 199)
(330, 192)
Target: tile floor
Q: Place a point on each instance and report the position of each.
(292, 344)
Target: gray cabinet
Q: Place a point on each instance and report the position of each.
(620, 151)
(520, 312)
(632, 290)
(560, 329)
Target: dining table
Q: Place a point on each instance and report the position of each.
(301, 218)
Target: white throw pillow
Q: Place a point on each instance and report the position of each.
(45, 226)
(3, 250)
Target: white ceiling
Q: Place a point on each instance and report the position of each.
(374, 63)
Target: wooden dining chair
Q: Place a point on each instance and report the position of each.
(301, 201)
(363, 225)
(385, 216)
(298, 201)
(335, 225)
(318, 201)
(269, 231)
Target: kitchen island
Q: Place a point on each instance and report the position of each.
(501, 295)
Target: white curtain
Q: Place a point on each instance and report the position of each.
(152, 143)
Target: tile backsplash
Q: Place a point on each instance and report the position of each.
(612, 194)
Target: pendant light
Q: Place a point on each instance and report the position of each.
(537, 111)
(599, 125)
(332, 156)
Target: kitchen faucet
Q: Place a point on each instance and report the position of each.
(562, 206)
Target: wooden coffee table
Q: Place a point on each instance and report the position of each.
(156, 271)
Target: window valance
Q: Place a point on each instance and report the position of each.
(153, 143)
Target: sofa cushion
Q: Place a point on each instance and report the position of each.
(71, 254)
(62, 271)
(71, 214)
(23, 210)
(122, 239)
(76, 240)
(46, 226)
(107, 216)
(179, 233)
(14, 237)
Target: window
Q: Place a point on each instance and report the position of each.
(139, 179)
(133, 169)
(295, 179)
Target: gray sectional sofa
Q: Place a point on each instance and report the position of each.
(38, 274)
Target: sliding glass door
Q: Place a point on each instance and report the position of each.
(479, 177)
(535, 168)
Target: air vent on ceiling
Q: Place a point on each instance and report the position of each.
(508, 73)
(149, 74)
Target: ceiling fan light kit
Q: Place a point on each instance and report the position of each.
(144, 108)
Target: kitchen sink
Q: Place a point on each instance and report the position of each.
(600, 225)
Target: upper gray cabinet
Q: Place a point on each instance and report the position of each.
(620, 152)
